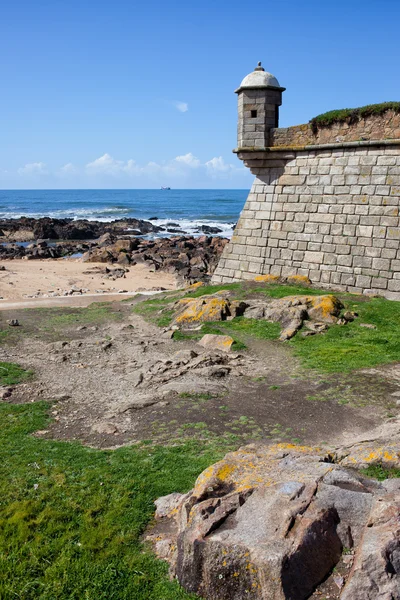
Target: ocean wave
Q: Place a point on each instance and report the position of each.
(96, 214)
(107, 214)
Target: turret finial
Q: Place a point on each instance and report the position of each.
(259, 67)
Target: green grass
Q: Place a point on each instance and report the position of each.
(247, 290)
(380, 473)
(240, 329)
(274, 290)
(156, 310)
(352, 115)
(340, 349)
(10, 373)
(349, 347)
(206, 290)
(96, 313)
(4, 333)
(71, 517)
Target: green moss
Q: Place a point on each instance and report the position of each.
(352, 115)
(156, 310)
(340, 349)
(213, 289)
(10, 373)
(71, 518)
(348, 347)
(380, 472)
(96, 313)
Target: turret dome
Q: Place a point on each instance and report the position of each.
(259, 78)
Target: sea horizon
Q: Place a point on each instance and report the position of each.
(188, 209)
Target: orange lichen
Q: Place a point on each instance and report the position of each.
(267, 278)
(326, 308)
(225, 471)
(196, 285)
(298, 280)
(202, 310)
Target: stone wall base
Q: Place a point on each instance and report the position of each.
(329, 214)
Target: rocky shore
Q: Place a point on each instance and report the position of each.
(122, 242)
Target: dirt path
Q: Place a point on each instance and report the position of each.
(81, 301)
(118, 380)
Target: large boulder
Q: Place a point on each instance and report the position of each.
(191, 312)
(216, 342)
(271, 523)
(291, 311)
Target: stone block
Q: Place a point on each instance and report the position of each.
(364, 231)
(290, 180)
(394, 285)
(314, 257)
(381, 263)
(363, 281)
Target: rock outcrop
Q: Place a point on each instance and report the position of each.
(271, 523)
(27, 228)
(191, 259)
(291, 311)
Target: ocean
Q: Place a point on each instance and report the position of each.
(188, 208)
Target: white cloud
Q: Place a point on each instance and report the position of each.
(107, 165)
(181, 106)
(104, 164)
(188, 159)
(217, 164)
(67, 170)
(185, 170)
(37, 168)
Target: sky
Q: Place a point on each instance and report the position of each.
(129, 94)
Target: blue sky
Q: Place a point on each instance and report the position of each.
(130, 94)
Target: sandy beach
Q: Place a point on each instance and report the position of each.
(51, 278)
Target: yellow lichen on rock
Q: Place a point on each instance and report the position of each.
(324, 308)
(251, 466)
(267, 278)
(200, 310)
(195, 286)
(217, 342)
(298, 280)
(366, 454)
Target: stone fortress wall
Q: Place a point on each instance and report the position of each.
(329, 211)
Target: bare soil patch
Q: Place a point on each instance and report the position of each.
(114, 379)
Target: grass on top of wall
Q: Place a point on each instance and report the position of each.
(352, 115)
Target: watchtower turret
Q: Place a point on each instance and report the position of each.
(259, 99)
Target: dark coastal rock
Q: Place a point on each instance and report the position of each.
(69, 229)
(191, 259)
(209, 230)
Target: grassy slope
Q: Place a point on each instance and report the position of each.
(341, 348)
(71, 517)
